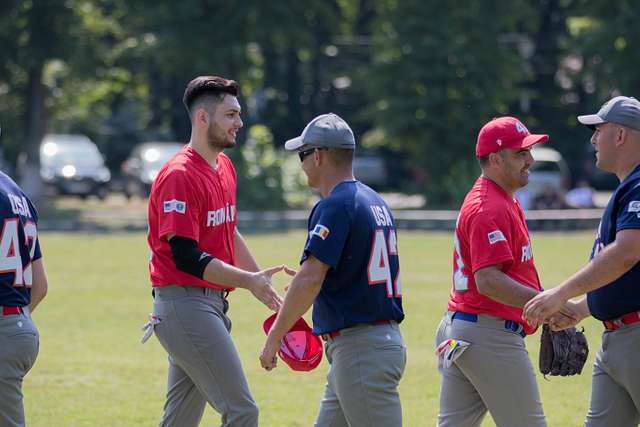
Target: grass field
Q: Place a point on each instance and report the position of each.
(92, 371)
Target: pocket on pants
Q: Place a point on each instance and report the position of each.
(26, 346)
(393, 358)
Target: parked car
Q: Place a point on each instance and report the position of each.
(370, 169)
(72, 164)
(549, 179)
(141, 167)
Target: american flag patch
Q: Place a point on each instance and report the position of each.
(321, 231)
(496, 236)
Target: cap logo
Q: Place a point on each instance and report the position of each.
(499, 141)
(520, 128)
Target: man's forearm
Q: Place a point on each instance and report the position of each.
(40, 284)
(300, 296)
(224, 274)
(502, 288)
(611, 263)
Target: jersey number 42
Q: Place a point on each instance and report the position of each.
(379, 270)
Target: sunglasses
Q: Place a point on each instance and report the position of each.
(304, 153)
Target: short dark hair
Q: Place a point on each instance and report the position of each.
(483, 161)
(209, 86)
(341, 156)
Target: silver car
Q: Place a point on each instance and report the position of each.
(141, 167)
(72, 164)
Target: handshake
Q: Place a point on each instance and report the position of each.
(552, 308)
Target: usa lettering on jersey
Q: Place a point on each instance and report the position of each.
(174, 205)
(495, 237)
(221, 216)
(381, 216)
(321, 231)
(19, 205)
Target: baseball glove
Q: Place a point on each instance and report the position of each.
(564, 352)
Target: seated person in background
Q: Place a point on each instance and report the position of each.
(581, 196)
(548, 199)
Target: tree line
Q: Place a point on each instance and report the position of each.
(415, 78)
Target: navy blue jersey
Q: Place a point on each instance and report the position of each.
(353, 231)
(621, 296)
(19, 245)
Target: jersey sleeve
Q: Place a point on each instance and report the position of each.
(178, 207)
(328, 231)
(489, 240)
(629, 210)
(37, 253)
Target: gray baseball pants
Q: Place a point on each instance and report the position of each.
(367, 362)
(494, 373)
(203, 362)
(615, 385)
(19, 341)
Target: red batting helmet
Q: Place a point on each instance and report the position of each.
(300, 349)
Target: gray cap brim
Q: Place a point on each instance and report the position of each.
(591, 120)
(294, 143)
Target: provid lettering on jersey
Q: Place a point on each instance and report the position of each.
(634, 206)
(174, 205)
(320, 230)
(221, 216)
(527, 253)
(381, 216)
(496, 236)
(19, 205)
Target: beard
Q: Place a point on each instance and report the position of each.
(218, 139)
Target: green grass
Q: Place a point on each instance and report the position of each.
(92, 371)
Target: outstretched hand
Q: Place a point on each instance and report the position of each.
(262, 287)
(291, 272)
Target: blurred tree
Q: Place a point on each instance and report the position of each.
(439, 73)
(258, 165)
(31, 34)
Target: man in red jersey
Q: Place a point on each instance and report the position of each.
(480, 341)
(197, 257)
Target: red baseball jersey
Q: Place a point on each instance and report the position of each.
(192, 199)
(490, 230)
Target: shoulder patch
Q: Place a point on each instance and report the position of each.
(321, 231)
(496, 236)
(634, 206)
(174, 205)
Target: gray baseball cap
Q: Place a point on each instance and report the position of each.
(326, 130)
(621, 110)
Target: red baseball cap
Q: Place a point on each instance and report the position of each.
(300, 349)
(505, 132)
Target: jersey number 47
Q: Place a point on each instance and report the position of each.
(379, 270)
(10, 254)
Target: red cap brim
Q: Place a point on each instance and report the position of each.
(533, 139)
